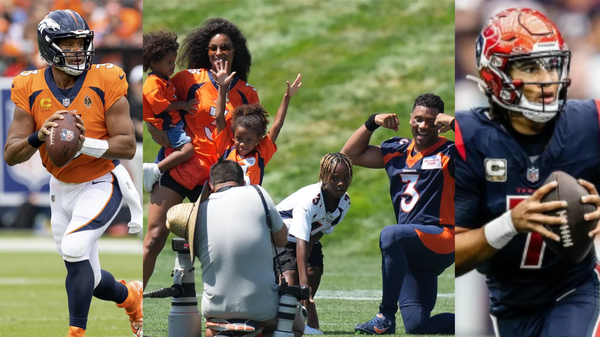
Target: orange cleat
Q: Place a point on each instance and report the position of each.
(134, 306)
(75, 331)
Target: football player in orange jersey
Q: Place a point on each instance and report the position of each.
(201, 50)
(247, 142)
(87, 192)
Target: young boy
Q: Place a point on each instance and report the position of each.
(161, 108)
(309, 213)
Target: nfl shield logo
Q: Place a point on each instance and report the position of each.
(66, 102)
(67, 135)
(52, 198)
(533, 174)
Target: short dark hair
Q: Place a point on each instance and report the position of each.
(431, 101)
(157, 45)
(226, 170)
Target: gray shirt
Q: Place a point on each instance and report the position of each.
(233, 245)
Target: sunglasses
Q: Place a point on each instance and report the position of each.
(225, 48)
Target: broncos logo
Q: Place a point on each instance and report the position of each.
(48, 23)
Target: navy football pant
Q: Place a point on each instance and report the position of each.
(409, 272)
(575, 314)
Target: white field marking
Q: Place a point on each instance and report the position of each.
(128, 246)
(360, 295)
(31, 280)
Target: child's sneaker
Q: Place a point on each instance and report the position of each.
(151, 175)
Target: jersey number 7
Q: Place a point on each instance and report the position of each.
(533, 254)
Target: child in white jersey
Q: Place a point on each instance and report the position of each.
(309, 213)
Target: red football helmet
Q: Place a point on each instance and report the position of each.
(522, 38)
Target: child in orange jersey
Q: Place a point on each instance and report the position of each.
(161, 107)
(248, 143)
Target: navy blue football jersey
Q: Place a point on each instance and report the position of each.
(421, 184)
(494, 174)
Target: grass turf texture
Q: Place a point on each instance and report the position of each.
(34, 300)
(356, 58)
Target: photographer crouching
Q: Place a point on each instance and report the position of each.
(230, 229)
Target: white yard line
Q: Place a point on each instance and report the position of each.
(360, 295)
(129, 246)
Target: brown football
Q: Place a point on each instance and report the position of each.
(574, 242)
(63, 142)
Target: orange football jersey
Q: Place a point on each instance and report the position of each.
(254, 162)
(200, 124)
(159, 92)
(95, 91)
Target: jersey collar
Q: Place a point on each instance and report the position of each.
(56, 91)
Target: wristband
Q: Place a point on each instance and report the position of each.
(500, 231)
(34, 140)
(370, 123)
(452, 124)
(94, 147)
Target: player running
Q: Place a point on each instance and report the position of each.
(86, 194)
(417, 249)
(506, 152)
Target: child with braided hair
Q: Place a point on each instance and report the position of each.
(247, 141)
(309, 213)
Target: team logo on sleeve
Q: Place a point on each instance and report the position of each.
(495, 169)
(67, 135)
(87, 101)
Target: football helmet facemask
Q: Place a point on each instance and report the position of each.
(65, 24)
(525, 40)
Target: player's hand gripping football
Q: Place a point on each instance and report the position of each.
(293, 88)
(528, 215)
(221, 75)
(49, 123)
(442, 122)
(388, 121)
(593, 199)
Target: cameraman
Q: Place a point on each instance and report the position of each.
(233, 243)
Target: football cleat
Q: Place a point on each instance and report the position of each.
(75, 331)
(379, 325)
(151, 175)
(134, 306)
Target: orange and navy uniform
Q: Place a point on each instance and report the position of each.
(422, 187)
(254, 162)
(159, 92)
(200, 124)
(95, 91)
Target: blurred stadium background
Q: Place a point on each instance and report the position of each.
(36, 292)
(579, 23)
(356, 58)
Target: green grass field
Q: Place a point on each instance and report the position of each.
(356, 57)
(349, 293)
(34, 300)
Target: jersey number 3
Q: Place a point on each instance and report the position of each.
(533, 254)
(411, 179)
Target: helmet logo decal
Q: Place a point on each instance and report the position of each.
(48, 23)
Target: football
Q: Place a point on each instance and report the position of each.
(63, 142)
(574, 242)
